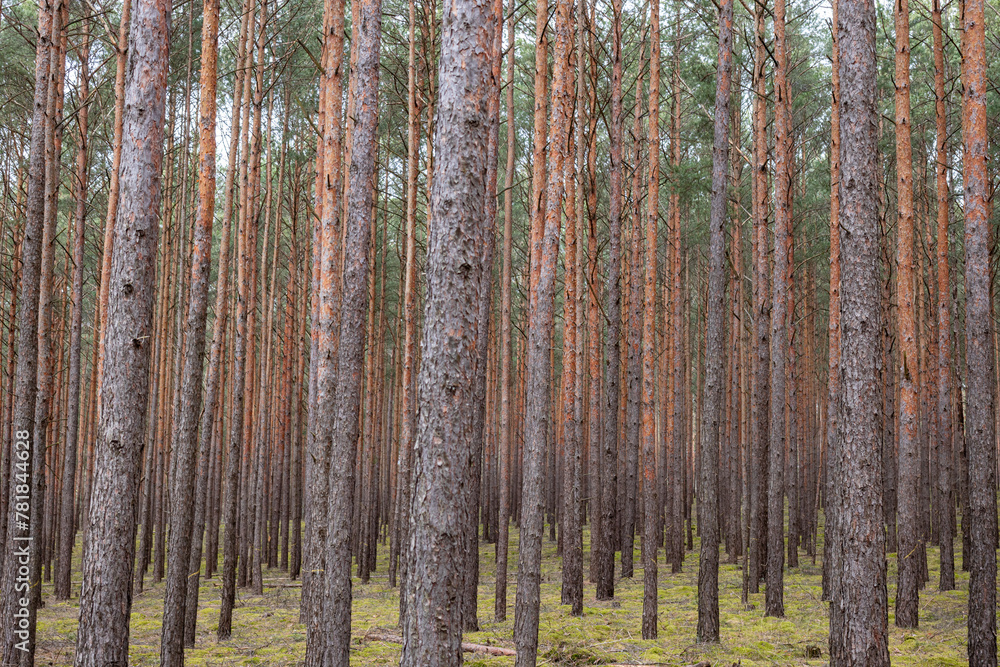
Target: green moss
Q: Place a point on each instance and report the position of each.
(266, 628)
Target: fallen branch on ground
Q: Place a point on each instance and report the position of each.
(466, 646)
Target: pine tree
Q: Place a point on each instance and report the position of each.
(712, 411)
(774, 598)
(944, 415)
(186, 433)
(649, 483)
(105, 597)
(908, 553)
(861, 638)
(67, 510)
(23, 410)
(456, 271)
(980, 360)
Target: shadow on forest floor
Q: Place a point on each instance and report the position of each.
(266, 630)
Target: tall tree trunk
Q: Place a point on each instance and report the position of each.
(185, 444)
(470, 617)
(627, 518)
(208, 434)
(351, 345)
(46, 404)
(67, 513)
(506, 427)
(105, 598)
(775, 594)
(408, 412)
(759, 385)
(572, 540)
(544, 256)
(326, 253)
(593, 487)
(20, 532)
(649, 484)
(249, 571)
(831, 491)
(186, 430)
(234, 456)
(862, 599)
(945, 472)
(241, 439)
(579, 393)
(980, 427)
(735, 544)
(712, 411)
(678, 390)
(456, 270)
(612, 345)
(908, 553)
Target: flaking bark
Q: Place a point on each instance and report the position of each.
(456, 271)
(106, 595)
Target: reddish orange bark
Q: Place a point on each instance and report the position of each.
(907, 595)
(650, 495)
(980, 426)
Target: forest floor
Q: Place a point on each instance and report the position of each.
(266, 630)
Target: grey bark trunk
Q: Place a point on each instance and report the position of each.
(712, 411)
(457, 269)
(19, 529)
(351, 347)
(106, 595)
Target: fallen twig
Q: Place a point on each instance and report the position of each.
(468, 647)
